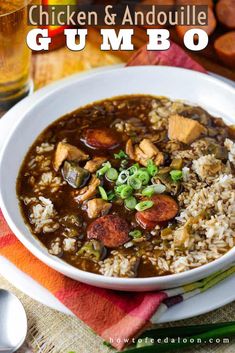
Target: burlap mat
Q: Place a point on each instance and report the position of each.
(51, 331)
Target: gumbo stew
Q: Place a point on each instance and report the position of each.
(133, 186)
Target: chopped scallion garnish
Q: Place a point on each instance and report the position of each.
(111, 195)
(126, 192)
(119, 188)
(153, 189)
(124, 164)
(133, 169)
(143, 205)
(103, 193)
(123, 176)
(130, 202)
(111, 174)
(134, 182)
(142, 175)
(105, 167)
(120, 155)
(176, 175)
(152, 168)
(135, 234)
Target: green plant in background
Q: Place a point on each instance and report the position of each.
(195, 335)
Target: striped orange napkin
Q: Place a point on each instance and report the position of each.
(116, 316)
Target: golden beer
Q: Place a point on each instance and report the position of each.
(14, 53)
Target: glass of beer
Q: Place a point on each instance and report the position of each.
(15, 56)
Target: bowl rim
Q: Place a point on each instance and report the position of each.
(66, 268)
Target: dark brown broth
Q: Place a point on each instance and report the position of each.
(97, 115)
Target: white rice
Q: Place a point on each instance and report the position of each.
(69, 244)
(230, 145)
(118, 266)
(207, 166)
(43, 216)
(48, 180)
(212, 237)
(44, 148)
(56, 248)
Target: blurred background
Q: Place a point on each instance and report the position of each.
(16, 63)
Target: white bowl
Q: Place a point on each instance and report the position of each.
(215, 96)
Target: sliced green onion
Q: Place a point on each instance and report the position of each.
(134, 182)
(143, 205)
(103, 193)
(111, 174)
(135, 234)
(148, 191)
(153, 189)
(119, 188)
(122, 178)
(124, 164)
(142, 175)
(120, 155)
(176, 175)
(152, 168)
(111, 195)
(105, 167)
(199, 334)
(130, 202)
(126, 192)
(133, 169)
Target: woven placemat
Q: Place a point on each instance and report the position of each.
(51, 331)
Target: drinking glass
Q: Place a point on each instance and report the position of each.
(15, 56)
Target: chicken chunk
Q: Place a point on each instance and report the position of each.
(65, 151)
(97, 208)
(181, 237)
(130, 149)
(145, 151)
(88, 191)
(140, 156)
(184, 129)
(94, 164)
(148, 148)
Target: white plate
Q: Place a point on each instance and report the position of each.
(202, 303)
(212, 299)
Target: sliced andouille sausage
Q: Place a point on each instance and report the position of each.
(101, 138)
(225, 11)
(225, 48)
(209, 28)
(111, 230)
(143, 222)
(164, 209)
(146, 224)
